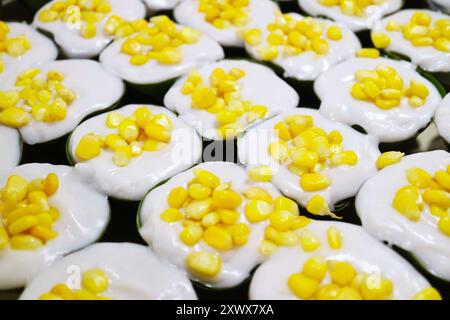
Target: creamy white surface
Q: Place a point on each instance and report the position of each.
(155, 5)
(73, 44)
(206, 50)
(346, 180)
(360, 249)
(442, 118)
(11, 147)
(164, 238)
(96, 89)
(260, 13)
(423, 239)
(373, 13)
(134, 273)
(400, 123)
(42, 50)
(144, 172)
(308, 65)
(427, 57)
(81, 223)
(443, 3)
(260, 85)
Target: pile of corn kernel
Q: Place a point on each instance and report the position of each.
(222, 97)
(224, 14)
(307, 150)
(94, 282)
(14, 47)
(385, 88)
(351, 7)
(293, 36)
(46, 99)
(140, 132)
(344, 283)
(208, 210)
(425, 188)
(421, 31)
(26, 217)
(158, 40)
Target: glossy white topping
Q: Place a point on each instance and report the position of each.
(73, 44)
(80, 223)
(396, 124)
(421, 238)
(253, 150)
(366, 254)
(143, 172)
(373, 13)
(155, 5)
(11, 147)
(133, 271)
(442, 118)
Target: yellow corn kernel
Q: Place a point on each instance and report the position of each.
(302, 286)
(368, 53)
(375, 287)
(15, 117)
(211, 219)
(89, 147)
(206, 178)
(346, 157)
(54, 213)
(428, 294)
(443, 178)
(88, 30)
(203, 98)
(191, 234)
(177, 197)
(335, 238)
(226, 199)
(279, 150)
(281, 238)
(268, 53)
(51, 184)
(419, 177)
(371, 89)
(63, 291)
(437, 211)
(335, 137)
(240, 234)
(281, 220)
(158, 132)
(205, 263)
(22, 224)
(131, 47)
(45, 220)
(25, 242)
(286, 204)
(15, 189)
(228, 216)
(348, 293)
(122, 156)
(49, 296)
(257, 210)
(4, 238)
(198, 208)
(317, 205)
(442, 44)
(283, 131)
(199, 191)
(218, 238)
(389, 158)
(17, 46)
(444, 224)
(83, 294)
(315, 268)
(114, 119)
(260, 174)
(341, 272)
(254, 193)
(128, 130)
(437, 197)
(408, 202)
(334, 33)
(304, 158)
(309, 240)
(115, 141)
(230, 130)
(95, 281)
(314, 182)
(300, 222)
(267, 248)
(328, 292)
(320, 46)
(380, 40)
(358, 92)
(18, 213)
(43, 233)
(48, 15)
(418, 89)
(152, 145)
(172, 215)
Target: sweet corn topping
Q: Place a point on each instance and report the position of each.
(26, 217)
(422, 31)
(224, 14)
(221, 95)
(289, 36)
(159, 40)
(94, 282)
(41, 99)
(351, 7)
(141, 132)
(307, 150)
(11, 46)
(425, 189)
(322, 279)
(384, 87)
(389, 158)
(209, 210)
